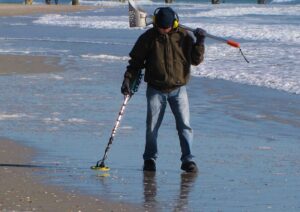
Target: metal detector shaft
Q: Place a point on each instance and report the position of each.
(229, 42)
(114, 130)
(223, 40)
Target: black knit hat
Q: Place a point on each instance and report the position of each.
(165, 17)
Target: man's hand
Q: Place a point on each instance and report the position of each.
(200, 35)
(125, 89)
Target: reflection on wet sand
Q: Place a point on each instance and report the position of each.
(150, 191)
(186, 183)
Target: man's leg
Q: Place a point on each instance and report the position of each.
(179, 103)
(156, 105)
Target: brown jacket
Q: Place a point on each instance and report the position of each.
(166, 58)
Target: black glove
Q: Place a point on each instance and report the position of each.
(125, 89)
(200, 35)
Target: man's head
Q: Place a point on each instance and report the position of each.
(165, 17)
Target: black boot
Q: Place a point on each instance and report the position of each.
(149, 165)
(189, 166)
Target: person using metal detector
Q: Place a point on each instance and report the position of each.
(166, 52)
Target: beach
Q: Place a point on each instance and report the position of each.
(21, 189)
(60, 80)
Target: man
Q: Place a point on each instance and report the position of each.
(166, 51)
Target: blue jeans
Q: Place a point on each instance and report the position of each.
(156, 106)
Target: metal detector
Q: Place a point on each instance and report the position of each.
(133, 89)
(100, 164)
(139, 18)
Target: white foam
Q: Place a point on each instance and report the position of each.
(277, 71)
(76, 121)
(264, 148)
(56, 77)
(18, 24)
(91, 22)
(16, 51)
(85, 79)
(48, 39)
(56, 120)
(102, 3)
(51, 120)
(127, 127)
(262, 10)
(284, 33)
(255, 32)
(12, 116)
(105, 57)
(282, 1)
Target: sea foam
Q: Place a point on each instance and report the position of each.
(91, 22)
(106, 57)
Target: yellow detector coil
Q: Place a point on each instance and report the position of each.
(104, 168)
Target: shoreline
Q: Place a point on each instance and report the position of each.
(22, 191)
(19, 9)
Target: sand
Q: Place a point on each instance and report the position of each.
(21, 191)
(19, 9)
(25, 64)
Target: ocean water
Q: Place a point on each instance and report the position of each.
(246, 117)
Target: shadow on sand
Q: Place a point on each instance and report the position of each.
(21, 165)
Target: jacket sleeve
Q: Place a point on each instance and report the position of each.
(138, 56)
(197, 53)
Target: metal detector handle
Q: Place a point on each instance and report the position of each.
(136, 83)
(229, 42)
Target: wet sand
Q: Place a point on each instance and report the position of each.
(23, 64)
(11, 64)
(19, 9)
(21, 191)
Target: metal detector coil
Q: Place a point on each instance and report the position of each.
(99, 168)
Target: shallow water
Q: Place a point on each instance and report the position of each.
(246, 136)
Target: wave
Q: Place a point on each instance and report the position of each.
(56, 120)
(284, 33)
(90, 22)
(67, 40)
(110, 3)
(257, 79)
(283, 1)
(265, 69)
(254, 32)
(226, 63)
(12, 116)
(106, 57)
(244, 10)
